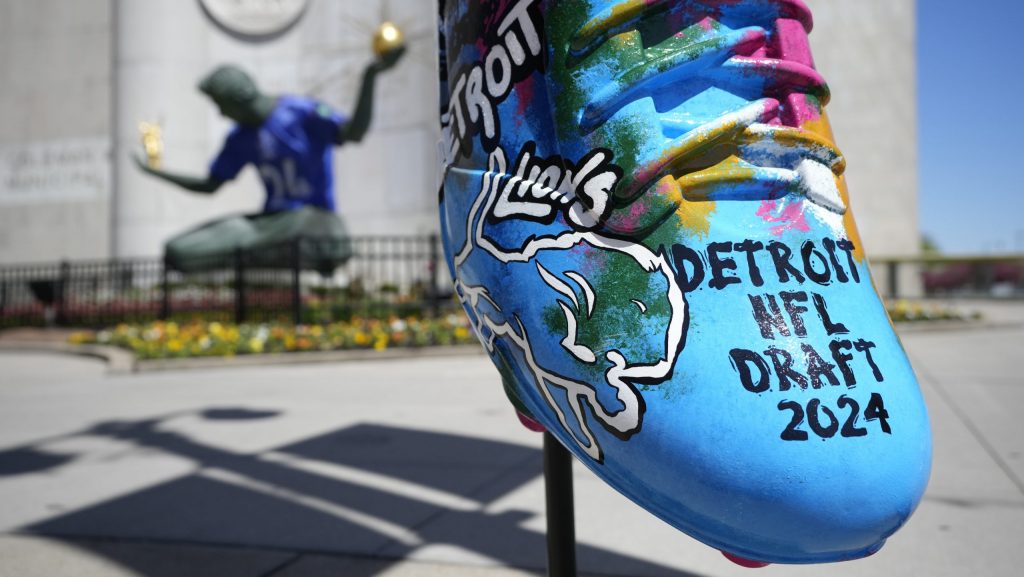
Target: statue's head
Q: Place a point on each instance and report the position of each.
(235, 94)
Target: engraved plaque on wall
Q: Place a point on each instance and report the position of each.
(254, 20)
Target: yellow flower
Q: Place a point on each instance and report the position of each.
(461, 333)
(174, 345)
(361, 338)
(256, 345)
(381, 343)
(78, 338)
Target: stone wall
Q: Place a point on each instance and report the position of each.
(866, 51)
(62, 79)
(55, 115)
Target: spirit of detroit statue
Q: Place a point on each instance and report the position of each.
(289, 139)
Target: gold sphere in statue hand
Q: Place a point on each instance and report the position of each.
(387, 38)
(152, 143)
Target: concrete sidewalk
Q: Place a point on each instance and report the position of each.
(402, 468)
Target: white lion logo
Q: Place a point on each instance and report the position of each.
(493, 323)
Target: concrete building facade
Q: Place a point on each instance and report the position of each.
(56, 114)
(79, 76)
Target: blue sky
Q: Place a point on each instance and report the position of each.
(971, 124)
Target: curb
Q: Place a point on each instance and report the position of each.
(119, 361)
(952, 326)
(154, 365)
(122, 362)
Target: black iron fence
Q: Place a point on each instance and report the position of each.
(984, 276)
(302, 282)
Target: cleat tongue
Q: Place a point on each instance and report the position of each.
(744, 562)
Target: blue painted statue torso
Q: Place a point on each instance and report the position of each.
(293, 150)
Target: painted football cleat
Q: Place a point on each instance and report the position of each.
(647, 223)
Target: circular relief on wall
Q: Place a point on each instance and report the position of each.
(254, 20)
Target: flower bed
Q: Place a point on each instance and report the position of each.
(903, 311)
(197, 338)
(163, 340)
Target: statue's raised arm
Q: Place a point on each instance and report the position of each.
(290, 141)
(356, 127)
(238, 98)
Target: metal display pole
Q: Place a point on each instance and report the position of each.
(559, 504)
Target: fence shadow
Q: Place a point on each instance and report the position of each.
(368, 490)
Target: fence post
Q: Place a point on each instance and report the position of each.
(558, 503)
(239, 286)
(296, 280)
(165, 290)
(985, 277)
(894, 279)
(59, 291)
(435, 301)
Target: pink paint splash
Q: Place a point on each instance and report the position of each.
(494, 10)
(789, 9)
(786, 56)
(744, 562)
(790, 42)
(802, 109)
(791, 217)
(530, 423)
(631, 220)
(524, 91)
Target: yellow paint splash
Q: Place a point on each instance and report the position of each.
(823, 128)
(693, 216)
(603, 25)
(848, 222)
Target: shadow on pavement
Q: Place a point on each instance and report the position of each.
(29, 460)
(367, 490)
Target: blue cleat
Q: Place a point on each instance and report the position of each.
(647, 222)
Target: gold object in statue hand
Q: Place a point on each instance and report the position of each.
(152, 143)
(387, 39)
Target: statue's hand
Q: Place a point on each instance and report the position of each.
(388, 59)
(142, 163)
